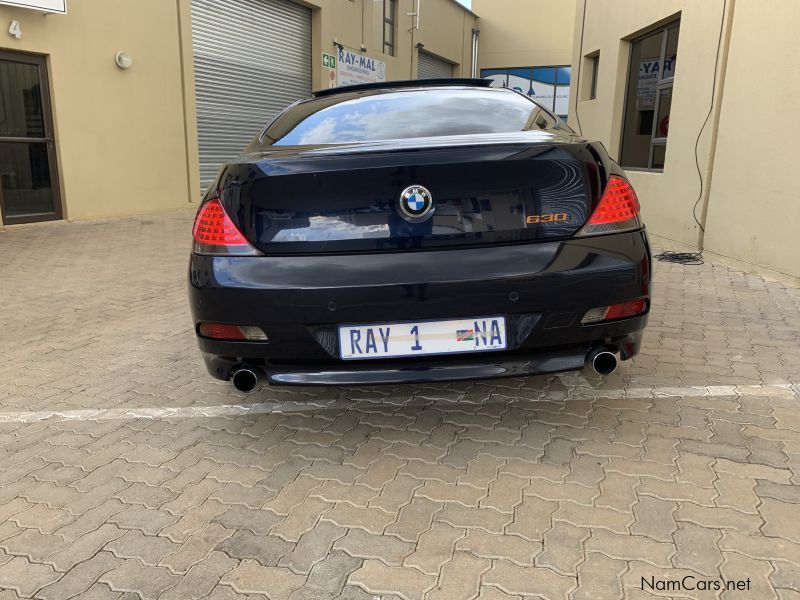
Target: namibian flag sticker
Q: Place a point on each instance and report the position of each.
(465, 335)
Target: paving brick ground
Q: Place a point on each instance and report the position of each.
(148, 479)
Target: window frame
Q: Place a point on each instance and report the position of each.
(661, 84)
(595, 62)
(391, 21)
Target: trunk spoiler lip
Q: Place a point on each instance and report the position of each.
(404, 83)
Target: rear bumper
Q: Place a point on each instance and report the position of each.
(543, 289)
(452, 368)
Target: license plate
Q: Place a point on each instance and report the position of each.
(421, 338)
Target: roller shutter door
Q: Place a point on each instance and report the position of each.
(252, 58)
(433, 67)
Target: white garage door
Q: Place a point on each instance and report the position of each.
(433, 67)
(252, 58)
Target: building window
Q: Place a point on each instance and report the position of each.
(594, 62)
(648, 99)
(590, 68)
(389, 20)
(547, 86)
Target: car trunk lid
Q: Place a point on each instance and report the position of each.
(348, 200)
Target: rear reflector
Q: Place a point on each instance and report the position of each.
(226, 331)
(618, 209)
(631, 308)
(214, 232)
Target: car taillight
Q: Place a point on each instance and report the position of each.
(226, 331)
(215, 234)
(622, 310)
(618, 209)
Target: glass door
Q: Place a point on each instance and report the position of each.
(28, 180)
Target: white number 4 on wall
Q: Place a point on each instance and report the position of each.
(15, 30)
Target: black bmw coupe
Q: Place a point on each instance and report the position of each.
(417, 231)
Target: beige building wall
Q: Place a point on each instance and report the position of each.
(126, 140)
(120, 138)
(754, 204)
(445, 29)
(667, 197)
(749, 204)
(521, 33)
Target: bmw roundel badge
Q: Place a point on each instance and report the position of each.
(416, 203)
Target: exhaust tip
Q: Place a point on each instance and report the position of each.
(245, 379)
(604, 362)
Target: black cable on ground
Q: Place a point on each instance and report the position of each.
(681, 258)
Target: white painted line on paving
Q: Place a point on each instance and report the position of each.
(580, 388)
(155, 413)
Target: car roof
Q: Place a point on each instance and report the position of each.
(410, 83)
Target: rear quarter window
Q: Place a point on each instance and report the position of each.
(403, 114)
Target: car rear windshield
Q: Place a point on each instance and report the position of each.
(403, 114)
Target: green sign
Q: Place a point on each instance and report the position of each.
(328, 61)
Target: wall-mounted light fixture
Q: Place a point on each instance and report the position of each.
(123, 60)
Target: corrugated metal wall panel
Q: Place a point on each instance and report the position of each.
(252, 58)
(433, 67)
